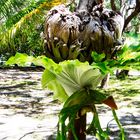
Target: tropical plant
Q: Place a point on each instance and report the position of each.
(77, 92)
(91, 27)
(74, 84)
(75, 32)
(127, 58)
(130, 52)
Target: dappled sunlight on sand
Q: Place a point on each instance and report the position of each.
(27, 112)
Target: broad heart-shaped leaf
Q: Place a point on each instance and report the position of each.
(49, 80)
(59, 92)
(70, 76)
(24, 60)
(20, 59)
(45, 62)
(76, 75)
(47, 77)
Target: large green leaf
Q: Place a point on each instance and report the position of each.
(68, 77)
(59, 92)
(49, 81)
(64, 78)
(20, 59)
(24, 60)
(76, 75)
(47, 77)
(45, 62)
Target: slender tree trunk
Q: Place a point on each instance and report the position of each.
(123, 74)
(104, 83)
(80, 128)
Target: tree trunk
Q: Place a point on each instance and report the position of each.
(80, 128)
(104, 83)
(123, 74)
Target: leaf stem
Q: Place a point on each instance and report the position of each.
(119, 125)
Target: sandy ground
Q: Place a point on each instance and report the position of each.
(29, 113)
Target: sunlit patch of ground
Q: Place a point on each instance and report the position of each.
(29, 113)
(127, 96)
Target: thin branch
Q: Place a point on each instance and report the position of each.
(87, 4)
(120, 3)
(113, 6)
(132, 15)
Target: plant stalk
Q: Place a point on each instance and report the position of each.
(80, 128)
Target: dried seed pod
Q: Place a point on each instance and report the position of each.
(64, 51)
(98, 29)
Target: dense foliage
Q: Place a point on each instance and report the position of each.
(21, 28)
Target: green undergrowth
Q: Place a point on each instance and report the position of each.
(124, 90)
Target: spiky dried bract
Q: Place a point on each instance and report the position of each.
(71, 35)
(61, 32)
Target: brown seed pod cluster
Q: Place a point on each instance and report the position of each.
(74, 35)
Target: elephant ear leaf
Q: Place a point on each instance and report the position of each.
(47, 77)
(49, 81)
(69, 77)
(20, 59)
(58, 90)
(76, 75)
